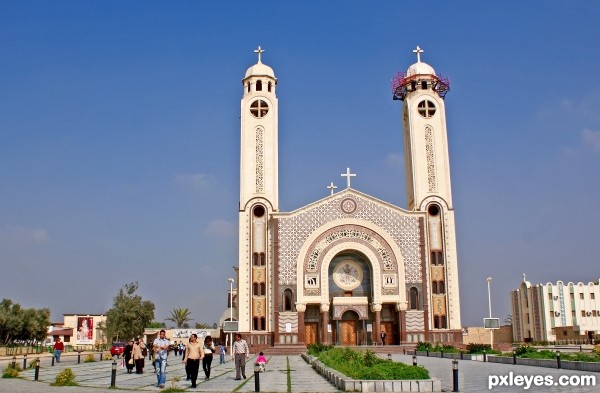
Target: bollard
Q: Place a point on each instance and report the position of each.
(427, 352)
(484, 356)
(514, 357)
(455, 375)
(14, 363)
(78, 357)
(404, 351)
(558, 365)
(100, 356)
(462, 355)
(53, 358)
(256, 378)
(414, 360)
(25, 362)
(389, 356)
(113, 374)
(36, 376)
(442, 352)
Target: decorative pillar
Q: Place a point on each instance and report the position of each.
(401, 308)
(301, 308)
(376, 309)
(324, 322)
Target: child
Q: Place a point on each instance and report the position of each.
(261, 361)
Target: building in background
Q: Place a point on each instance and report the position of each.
(555, 312)
(346, 267)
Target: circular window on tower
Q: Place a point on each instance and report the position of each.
(259, 108)
(426, 108)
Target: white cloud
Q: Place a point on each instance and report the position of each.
(591, 139)
(199, 181)
(23, 235)
(395, 159)
(221, 228)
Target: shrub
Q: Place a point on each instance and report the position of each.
(423, 346)
(107, 356)
(316, 348)
(524, 349)
(65, 378)
(479, 348)
(11, 372)
(358, 365)
(89, 358)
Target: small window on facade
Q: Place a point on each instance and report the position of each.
(581, 296)
(255, 260)
(248, 87)
(436, 322)
(258, 85)
(424, 85)
(426, 108)
(263, 289)
(443, 322)
(269, 87)
(287, 300)
(263, 325)
(592, 295)
(433, 259)
(434, 287)
(255, 289)
(582, 313)
(440, 258)
(572, 296)
(255, 323)
(414, 298)
(441, 287)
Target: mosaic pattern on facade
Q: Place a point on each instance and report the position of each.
(260, 160)
(430, 154)
(294, 230)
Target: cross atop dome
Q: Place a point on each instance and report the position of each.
(259, 51)
(418, 51)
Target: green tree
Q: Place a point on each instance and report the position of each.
(129, 315)
(180, 316)
(28, 324)
(202, 325)
(156, 325)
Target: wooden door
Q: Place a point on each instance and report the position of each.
(388, 328)
(311, 333)
(348, 332)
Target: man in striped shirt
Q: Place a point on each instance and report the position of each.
(241, 352)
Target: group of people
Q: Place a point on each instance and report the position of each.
(194, 353)
(134, 354)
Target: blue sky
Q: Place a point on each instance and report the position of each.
(119, 127)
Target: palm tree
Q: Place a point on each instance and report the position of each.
(180, 316)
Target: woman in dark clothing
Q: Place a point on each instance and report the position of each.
(127, 353)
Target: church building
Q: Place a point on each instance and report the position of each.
(347, 267)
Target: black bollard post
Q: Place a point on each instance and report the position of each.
(53, 358)
(462, 355)
(78, 357)
(514, 357)
(455, 375)
(100, 356)
(427, 350)
(558, 365)
(389, 356)
(414, 360)
(256, 378)
(36, 376)
(484, 356)
(25, 362)
(113, 374)
(442, 352)
(14, 362)
(404, 351)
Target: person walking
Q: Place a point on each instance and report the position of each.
(222, 351)
(161, 348)
(209, 349)
(59, 347)
(138, 356)
(127, 354)
(241, 352)
(383, 335)
(191, 359)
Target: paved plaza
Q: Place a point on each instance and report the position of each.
(95, 377)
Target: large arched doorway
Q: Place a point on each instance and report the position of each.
(349, 328)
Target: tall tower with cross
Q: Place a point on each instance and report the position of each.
(259, 194)
(428, 185)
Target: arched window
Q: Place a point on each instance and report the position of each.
(255, 260)
(440, 258)
(258, 259)
(248, 87)
(263, 324)
(434, 287)
(436, 322)
(269, 87)
(443, 322)
(255, 289)
(258, 85)
(288, 300)
(414, 298)
(441, 287)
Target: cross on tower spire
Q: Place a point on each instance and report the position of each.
(331, 187)
(259, 51)
(418, 51)
(348, 175)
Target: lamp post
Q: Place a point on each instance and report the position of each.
(488, 280)
(231, 281)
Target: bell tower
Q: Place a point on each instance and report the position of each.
(259, 195)
(428, 186)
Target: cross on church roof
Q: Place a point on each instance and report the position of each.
(331, 187)
(418, 51)
(348, 175)
(259, 51)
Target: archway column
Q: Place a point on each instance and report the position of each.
(301, 308)
(376, 309)
(401, 309)
(324, 322)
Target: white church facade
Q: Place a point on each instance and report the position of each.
(345, 268)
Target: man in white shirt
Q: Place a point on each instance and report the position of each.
(241, 352)
(161, 347)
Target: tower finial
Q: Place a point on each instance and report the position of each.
(418, 51)
(259, 51)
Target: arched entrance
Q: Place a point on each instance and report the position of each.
(349, 328)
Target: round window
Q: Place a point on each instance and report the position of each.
(426, 108)
(259, 108)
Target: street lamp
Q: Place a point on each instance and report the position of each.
(488, 280)
(231, 281)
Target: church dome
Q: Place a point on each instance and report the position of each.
(420, 68)
(260, 69)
